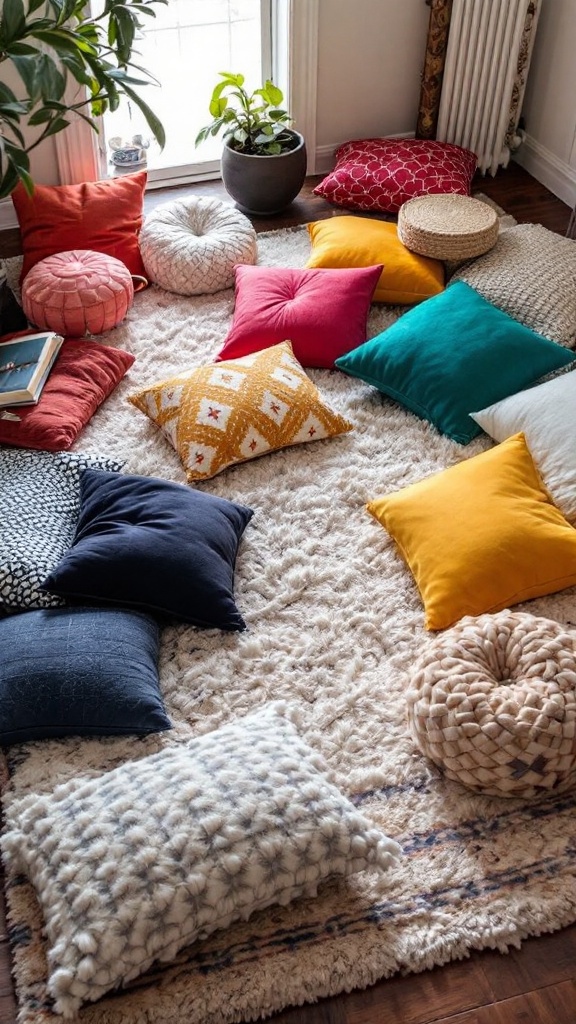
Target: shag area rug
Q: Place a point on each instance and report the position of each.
(334, 625)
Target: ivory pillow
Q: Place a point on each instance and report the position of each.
(133, 865)
(547, 416)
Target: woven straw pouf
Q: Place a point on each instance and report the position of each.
(77, 292)
(492, 702)
(447, 227)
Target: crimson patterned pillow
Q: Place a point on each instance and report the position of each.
(381, 174)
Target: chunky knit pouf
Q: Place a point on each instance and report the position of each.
(77, 292)
(191, 246)
(492, 702)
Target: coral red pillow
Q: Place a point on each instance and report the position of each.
(84, 374)
(105, 216)
(322, 312)
(381, 174)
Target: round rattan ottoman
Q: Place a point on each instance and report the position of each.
(492, 702)
(447, 227)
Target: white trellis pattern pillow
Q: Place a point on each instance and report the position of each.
(39, 507)
(133, 865)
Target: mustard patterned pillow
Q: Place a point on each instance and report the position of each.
(238, 409)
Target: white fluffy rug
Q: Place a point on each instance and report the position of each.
(334, 624)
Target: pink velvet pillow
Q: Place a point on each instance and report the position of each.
(381, 174)
(322, 312)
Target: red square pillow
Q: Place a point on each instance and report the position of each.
(381, 174)
(105, 216)
(84, 374)
(322, 312)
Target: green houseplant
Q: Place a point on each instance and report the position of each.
(44, 44)
(263, 160)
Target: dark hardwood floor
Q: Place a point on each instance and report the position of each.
(535, 985)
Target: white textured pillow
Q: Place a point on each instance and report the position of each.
(531, 275)
(546, 415)
(133, 865)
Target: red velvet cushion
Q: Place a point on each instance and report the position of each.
(381, 174)
(105, 216)
(84, 374)
(322, 312)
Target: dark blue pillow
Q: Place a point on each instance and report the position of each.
(156, 545)
(79, 671)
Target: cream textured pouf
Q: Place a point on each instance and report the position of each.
(77, 292)
(492, 702)
(447, 227)
(191, 246)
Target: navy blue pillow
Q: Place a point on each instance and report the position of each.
(79, 671)
(148, 543)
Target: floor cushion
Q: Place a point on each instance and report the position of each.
(322, 313)
(131, 865)
(102, 215)
(452, 354)
(79, 672)
(492, 702)
(225, 413)
(147, 543)
(39, 508)
(406, 278)
(84, 374)
(383, 173)
(78, 292)
(481, 535)
(191, 246)
(546, 415)
(531, 275)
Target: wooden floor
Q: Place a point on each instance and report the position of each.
(536, 985)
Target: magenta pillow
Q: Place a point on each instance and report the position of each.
(322, 312)
(381, 174)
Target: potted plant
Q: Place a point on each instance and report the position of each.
(46, 43)
(263, 160)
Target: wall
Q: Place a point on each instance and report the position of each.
(549, 110)
(370, 58)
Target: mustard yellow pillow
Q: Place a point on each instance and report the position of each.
(480, 536)
(362, 242)
(232, 411)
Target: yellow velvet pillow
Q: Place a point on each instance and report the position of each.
(363, 242)
(228, 412)
(480, 536)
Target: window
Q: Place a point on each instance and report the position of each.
(185, 46)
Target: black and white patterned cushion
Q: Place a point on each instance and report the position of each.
(39, 506)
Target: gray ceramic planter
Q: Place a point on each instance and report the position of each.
(263, 185)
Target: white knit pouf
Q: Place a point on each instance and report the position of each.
(191, 246)
(492, 702)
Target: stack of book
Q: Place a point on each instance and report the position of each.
(25, 363)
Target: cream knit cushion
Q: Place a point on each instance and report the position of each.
(492, 702)
(191, 246)
(531, 275)
(131, 866)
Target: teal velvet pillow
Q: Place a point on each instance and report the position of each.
(451, 355)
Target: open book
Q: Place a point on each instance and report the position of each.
(24, 366)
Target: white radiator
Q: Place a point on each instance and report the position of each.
(487, 58)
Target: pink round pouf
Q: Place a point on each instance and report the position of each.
(78, 292)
